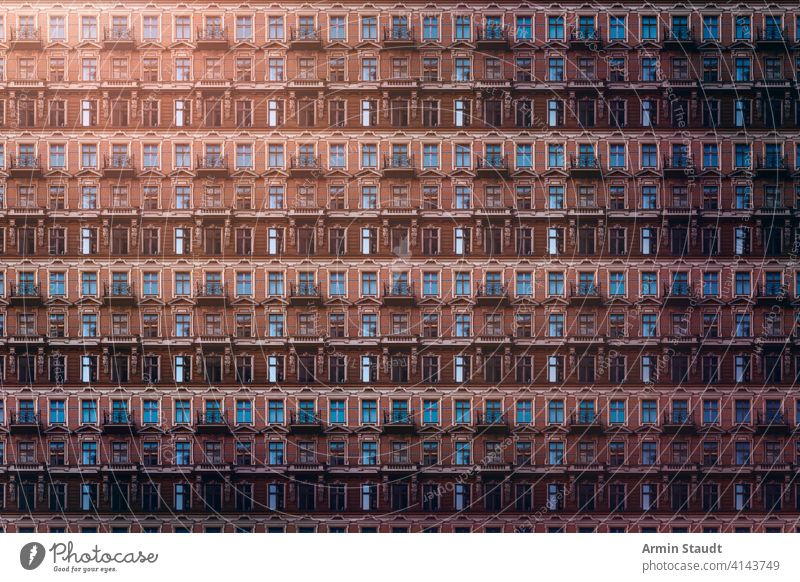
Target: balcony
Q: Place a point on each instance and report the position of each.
(212, 165)
(585, 165)
(24, 421)
(775, 422)
(491, 37)
(679, 292)
(400, 467)
(211, 292)
(25, 165)
(679, 165)
(491, 165)
(772, 37)
(397, 421)
(118, 293)
(771, 165)
(306, 466)
(398, 165)
(26, 37)
(494, 465)
(304, 165)
(585, 422)
(27, 83)
(305, 37)
(305, 422)
(583, 292)
(26, 337)
(212, 421)
(586, 37)
(305, 293)
(215, 338)
(491, 422)
(773, 83)
(491, 293)
(307, 84)
(400, 339)
(400, 84)
(401, 37)
(118, 165)
(118, 421)
(26, 293)
(679, 37)
(212, 37)
(678, 422)
(120, 339)
(399, 293)
(772, 293)
(122, 37)
(776, 466)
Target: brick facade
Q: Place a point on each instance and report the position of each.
(335, 267)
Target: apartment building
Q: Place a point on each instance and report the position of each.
(446, 267)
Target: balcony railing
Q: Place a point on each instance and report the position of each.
(398, 290)
(772, 291)
(212, 34)
(585, 34)
(26, 290)
(678, 162)
(25, 417)
(678, 289)
(398, 418)
(398, 162)
(26, 33)
(398, 33)
(585, 290)
(775, 418)
(585, 418)
(491, 33)
(492, 162)
(117, 289)
(305, 162)
(119, 34)
(772, 34)
(772, 162)
(492, 290)
(491, 418)
(118, 162)
(678, 34)
(305, 290)
(678, 417)
(584, 162)
(25, 162)
(211, 290)
(211, 417)
(305, 34)
(212, 162)
(118, 417)
(305, 418)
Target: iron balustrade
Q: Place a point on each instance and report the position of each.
(25, 290)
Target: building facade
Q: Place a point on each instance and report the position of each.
(377, 267)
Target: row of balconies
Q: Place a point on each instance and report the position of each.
(32, 295)
(409, 420)
(120, 164)
(401, 340)
(406, 165)
(587, 470)
(405, 85)
(302, 37)
(491, 36)
(581, 210)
